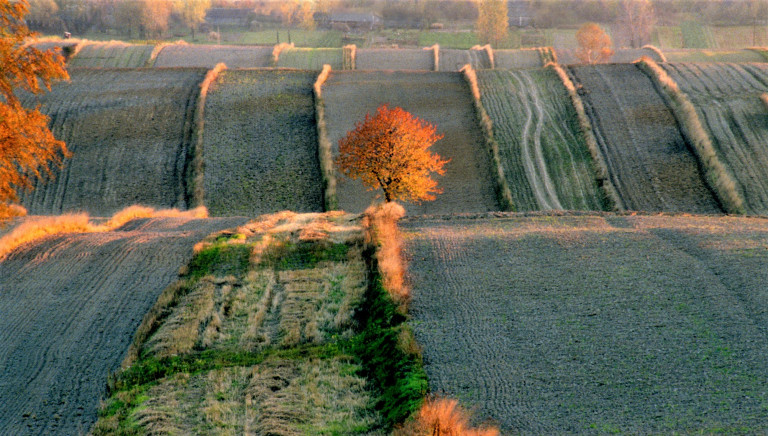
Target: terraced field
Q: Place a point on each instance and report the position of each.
(467, 183)
(648, 161)
(129, 131)
(69, 307)
(311, 58)
(114, 54)
(727, 99)
(207, 56)
(394, 59)
(260, 143)
(544, 155)
(596, 324)
(454, 60)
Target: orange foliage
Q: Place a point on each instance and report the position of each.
(26, 144)
(443, 417)
(390, 151)
(594, 44)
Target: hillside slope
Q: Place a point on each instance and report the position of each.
(596, 323)
(648, 161)
(69, 307)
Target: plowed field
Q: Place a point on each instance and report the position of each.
(311, 58)
(454, 60)
(514, 59)
(394, 59)
(69, 307)
(727, 98)
(596, 324)
(182, 55)
(442, 99)
(129, 131)
(111, 55)
(567, 56)
(545, 157)
(260, 143)
(648, 161)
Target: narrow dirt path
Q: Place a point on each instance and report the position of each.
(647, 158)
(69, 306)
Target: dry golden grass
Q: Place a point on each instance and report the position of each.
(656, 50)
(277, 50)
(503, 192)
(198, 177)
(601, 170)
(717, 176)
(443, 417)
(349, 54)
(764, 99)
(488, 52)
(158, 48)
(324, 150)
(380, 223)
(435, 56)
(42, 227)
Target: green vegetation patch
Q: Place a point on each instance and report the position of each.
(545, 158)
(697, 35)
(260, 143)
(299, 37)
(456, 40)
(311, 58)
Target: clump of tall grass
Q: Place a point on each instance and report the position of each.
(547, 54)
(349, 56)
(380, 223)
(38, 228)
(278, 49)
(435, 56)
(324, 144)
(196, 179)
(443, 417)
(657, 51)
(488, 52)
(503, 192)
(158, 48)
(613, 201)
(717, 176)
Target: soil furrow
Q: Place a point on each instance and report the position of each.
(67, 324)
(648, 160)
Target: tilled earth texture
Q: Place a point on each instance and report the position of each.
(69, 307)
(648, 161)
(129, 132)
(181, 55)
(595, 324)
(260, 143)
(442, 99)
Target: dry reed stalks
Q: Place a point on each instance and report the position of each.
(488, 52)
(443, 417)
(503, 192)
(435, 56)
(195, 179)
(350, 55)
(600, 168)
(717, 176)
(38, 228)
(548, 55)
(158, 48)
(380, 223)
(277, 50)
(657, 51)
(324, 144)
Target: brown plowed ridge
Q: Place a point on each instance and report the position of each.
(69, 307)
(595, 324)
(648, 160)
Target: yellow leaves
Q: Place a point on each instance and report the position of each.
(492, 21)
(389, 150)
(594, 44)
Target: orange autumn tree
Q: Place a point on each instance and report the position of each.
(390, 150)
(594, 44)
(27, 146)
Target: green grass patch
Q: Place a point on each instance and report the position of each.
(220, 259)
(303, 255)
(697, 35)
(299, 37)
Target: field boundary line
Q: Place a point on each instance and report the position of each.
(159, 48)
(349, 56)
(488, 52)
(762, 51)
(598, 163)
(435, 56)
(503, 193)
(277, 50)
(324, 152)
(548, 55)
(195, 177)
(716, 174)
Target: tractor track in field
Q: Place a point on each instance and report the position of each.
(69, 307)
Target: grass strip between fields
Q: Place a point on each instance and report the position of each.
(503, 193)
(324, 151)
(356, 376)
(612, 199)
(717, 176)
(196, 181)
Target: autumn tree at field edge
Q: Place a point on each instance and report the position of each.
(27, 146)
(594, 44)
(390, 150)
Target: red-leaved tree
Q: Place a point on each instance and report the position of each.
(390, 150)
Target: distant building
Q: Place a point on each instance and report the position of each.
(228, 17)
(352, 20)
